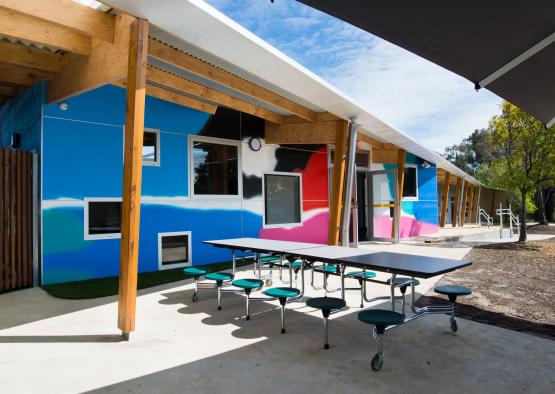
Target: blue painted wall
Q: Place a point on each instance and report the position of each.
(22, 115)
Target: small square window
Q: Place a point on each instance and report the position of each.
(102, 219)
(410, 184)
(151, 148)
(282, 199)
(174, 249)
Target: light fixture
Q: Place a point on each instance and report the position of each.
(425, 164)
(255, 144)
(63, 106)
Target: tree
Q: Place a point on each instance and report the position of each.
(472, 152)
(522, 148)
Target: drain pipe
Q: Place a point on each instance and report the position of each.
(348, 194)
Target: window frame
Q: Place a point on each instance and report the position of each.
(221, 141)
(158, 161)
(158, 151)
(297, 174)
(189, 262)
(411, 198)
(93, 237)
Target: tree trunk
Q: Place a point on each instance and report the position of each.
(522, 237)
(541, 205)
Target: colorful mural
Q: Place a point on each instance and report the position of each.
(83, 158)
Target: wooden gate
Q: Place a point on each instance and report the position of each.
(16, 219)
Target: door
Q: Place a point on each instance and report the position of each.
(362, 206)
(383, 209)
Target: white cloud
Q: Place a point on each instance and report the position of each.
(431, 104)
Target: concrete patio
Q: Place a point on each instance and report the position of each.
(58, 346)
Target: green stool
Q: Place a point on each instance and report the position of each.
(380, 319)
(326, 304)
(402, 283)
(453, 292)
(361, 276)
(282, 294)
(295, 265)
(248, 285)
(196, 273)
(220, 278)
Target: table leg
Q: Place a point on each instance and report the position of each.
(343, 267)
(234, 264)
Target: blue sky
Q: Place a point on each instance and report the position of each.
(431, 104)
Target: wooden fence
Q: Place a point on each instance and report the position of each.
(16, 219)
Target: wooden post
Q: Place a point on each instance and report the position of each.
(400, 184)
(132, 168)
(445, 200)
(466, 193)
(337, 184)
(455, 218)
(476, 204)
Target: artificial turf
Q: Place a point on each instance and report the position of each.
(103, 287)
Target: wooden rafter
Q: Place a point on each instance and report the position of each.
(401, 154)
(195, 89)
(464, 201)
(337, 184)
(302, 133)
(20, 55)
(24, 27)
(106, 64)
(455, 218)
(206, 70)
(67, 13)
(22, 75)
(176, 98)
(445, 200)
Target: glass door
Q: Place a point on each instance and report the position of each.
(383, 209)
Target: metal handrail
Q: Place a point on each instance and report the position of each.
(488, 218)
(512, 218)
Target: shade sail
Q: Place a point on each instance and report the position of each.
(507, 46)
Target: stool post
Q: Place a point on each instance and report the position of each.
(392, 292)
(234, 263)
(326, 344)
(219, 296)
(282, 317)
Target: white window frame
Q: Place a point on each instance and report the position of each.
(91, 237)
(158, 148)
(189, 250)
(300, 176)
(415, 166)
(220, 141)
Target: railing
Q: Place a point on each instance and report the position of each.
(488, 218)
(512, 219)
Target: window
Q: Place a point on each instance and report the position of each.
(215, 167)
(151, 148)
(282, 198)
(410, 184)
(102, 218)
(174, 249)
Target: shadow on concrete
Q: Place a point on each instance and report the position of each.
(61, 338)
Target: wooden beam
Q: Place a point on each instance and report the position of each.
(369, 140)
(445, 200)
(7, 91)
(20, 55)
(67, 13)
(337, 184)
(400, 184)
(206, 70)
(24, 27)
(107, 63)
(132, 168)
(176, 98)
(476, 204)
(384, 156)
(465, 199)
(455, 218)
(195, 89)
(320, 117)
(302, 133)
(471, 202)
(21, 75)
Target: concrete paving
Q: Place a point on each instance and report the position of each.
(59, 346)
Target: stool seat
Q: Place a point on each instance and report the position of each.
(219, 276)
(326, 303)
(381, 318)
(195, 271)
(402, 280)
(452, 290)
(248, 283)
(282, 292)
(294, 264)
(327, 269)
(358, 274)
(267, 259)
